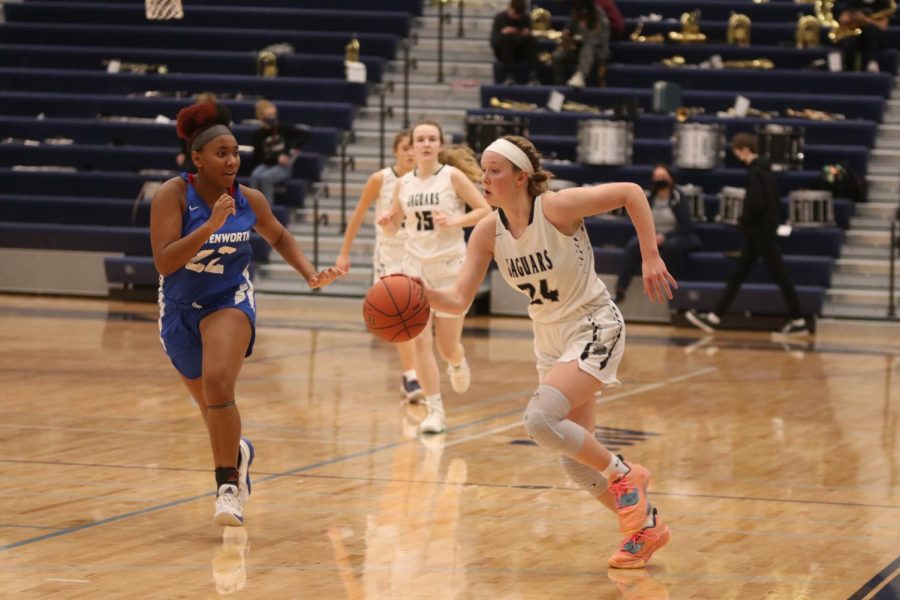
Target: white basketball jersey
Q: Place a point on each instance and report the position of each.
(554, 270)
(383, 204)
(419, 198)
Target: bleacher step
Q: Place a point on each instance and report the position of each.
(857, 311)
(872, 298)
(481, 70)
(869, 238)
(298, 287)
(863, 266)
(859, 281)
(863, 251)
(878, 210)
(870, 224)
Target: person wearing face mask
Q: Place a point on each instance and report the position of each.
(675, 233)
(275, 146)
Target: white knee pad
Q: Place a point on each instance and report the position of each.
(588, 479)
(546, 423)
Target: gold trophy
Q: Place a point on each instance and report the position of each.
(351, 50)
(656, 38)
(690, 29)
(738, 30)
(808, 32)
(266, 64)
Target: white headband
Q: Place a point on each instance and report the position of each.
(512, 153)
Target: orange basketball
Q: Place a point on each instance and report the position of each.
(396, 309)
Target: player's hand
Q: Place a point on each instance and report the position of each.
(442, 220)
(419, 281)
(342, 263)
(221, 210)
(658, 283)
(385, 217)
(325, 276)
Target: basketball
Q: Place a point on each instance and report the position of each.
(395, 308)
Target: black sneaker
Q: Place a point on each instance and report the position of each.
(795, 328)
(411, 390)
(707, 322)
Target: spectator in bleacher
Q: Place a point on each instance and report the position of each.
(200, 228)
(675, 233)
(615, 18)
(389, 249)
(584, 45)
(275, 146)
(866, 46)
(758, 222)
(183, 159)
(513, 43)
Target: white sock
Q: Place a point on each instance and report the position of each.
(651, 520)
(410, 375)
(615, 466)
(434, 399)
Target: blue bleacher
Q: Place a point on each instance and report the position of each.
(181, 61)
(220, 16)
(48, 104)
(321, 140)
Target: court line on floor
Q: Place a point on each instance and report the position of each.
(337, 459)
(886, 579)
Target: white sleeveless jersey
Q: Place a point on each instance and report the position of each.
(383, 204)
(554, 270)
(419, 198)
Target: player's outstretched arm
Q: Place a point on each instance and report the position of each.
(369, 193)
(479, 251)
(573, 204)
(284, 243)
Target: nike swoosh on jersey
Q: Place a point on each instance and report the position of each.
(193, 208)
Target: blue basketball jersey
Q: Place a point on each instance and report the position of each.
(221, 267)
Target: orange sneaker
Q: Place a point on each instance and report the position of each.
(630, 493)
(636, 549)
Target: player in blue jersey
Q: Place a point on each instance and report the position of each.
(200, 227)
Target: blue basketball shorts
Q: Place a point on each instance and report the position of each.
(179, 329)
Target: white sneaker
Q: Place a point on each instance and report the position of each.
(229, 510)
(576, 80)
(246, 452)
(460, 377)
(434, 421)
(229, 565)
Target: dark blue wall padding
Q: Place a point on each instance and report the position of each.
(853, 107)
(855, 132)
(715, 266)
(753, 298)
(251, 17)
(132, 270)
(322, 140)
(787, 81)
(181, 61)
(328, 114)
(92, 82)
(87, 157)
(160, 35)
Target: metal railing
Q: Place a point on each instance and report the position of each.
(442, 18)
(384, 112)
(460, 28)
(894, 250)
(346, 162)
(407, 64)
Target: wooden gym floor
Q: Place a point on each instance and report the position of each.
(775, 465)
